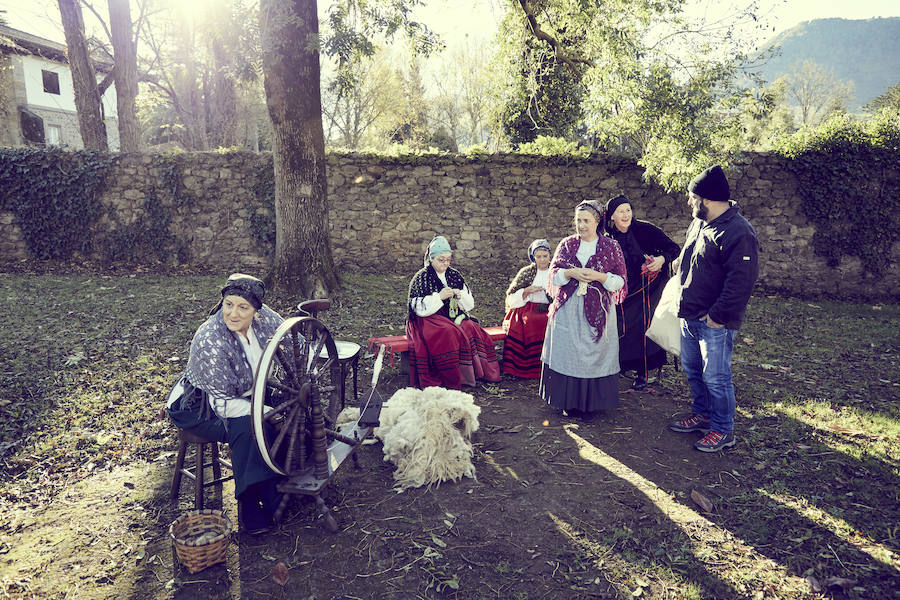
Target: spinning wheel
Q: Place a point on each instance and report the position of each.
(296, 369)
(298, 372)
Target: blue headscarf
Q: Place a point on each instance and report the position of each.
(537, 245)
(439, 245)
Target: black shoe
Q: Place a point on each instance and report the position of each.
(254, 519)
(639, 384)
(269, 496)
(588, 416)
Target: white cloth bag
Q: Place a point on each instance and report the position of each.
(665, 326)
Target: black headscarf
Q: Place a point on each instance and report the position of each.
(634, 254)
(249, 288)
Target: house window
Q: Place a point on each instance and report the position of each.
(51, 82)
(54, 135)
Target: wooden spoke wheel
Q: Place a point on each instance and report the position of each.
(298, 367)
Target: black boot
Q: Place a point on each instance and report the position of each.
(254, 520)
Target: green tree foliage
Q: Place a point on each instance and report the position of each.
(846, 170)
(541, 90)
(890, 101)
(617, 71)
(766, 116)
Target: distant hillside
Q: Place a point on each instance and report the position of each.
(865, 51)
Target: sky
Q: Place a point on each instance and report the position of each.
(456, 19)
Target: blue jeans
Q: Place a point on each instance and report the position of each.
(706, 360)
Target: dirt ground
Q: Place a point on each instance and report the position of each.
(560, 509)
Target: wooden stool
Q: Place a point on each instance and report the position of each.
(196, 472)
(348, 352)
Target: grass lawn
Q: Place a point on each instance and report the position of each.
(806, 505)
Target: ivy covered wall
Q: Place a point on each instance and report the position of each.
(217, 210)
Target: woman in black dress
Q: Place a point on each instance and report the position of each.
(648, 253)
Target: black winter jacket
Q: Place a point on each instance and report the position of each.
(719, 265)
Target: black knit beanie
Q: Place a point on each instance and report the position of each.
(711, 184)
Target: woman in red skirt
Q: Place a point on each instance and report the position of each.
(526, 314)
(447, 347)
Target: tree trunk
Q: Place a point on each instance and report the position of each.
(222, 128)
(125, 52)
(87, 96)
(223, 104)
(303, 261)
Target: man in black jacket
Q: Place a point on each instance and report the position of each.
(718, 267)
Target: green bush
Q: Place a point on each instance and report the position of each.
(554, 146)
(848, 173)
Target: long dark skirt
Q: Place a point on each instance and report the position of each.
(636, 350)
(577, 393)
(442, 353)
(524, 340)
(246, 461)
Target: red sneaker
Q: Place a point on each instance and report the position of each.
(693, 423)
(715, 441)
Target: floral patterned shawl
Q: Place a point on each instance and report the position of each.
(607, 258)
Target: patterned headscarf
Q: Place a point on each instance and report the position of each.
(595, 207)
(439, 245)
(537, 245)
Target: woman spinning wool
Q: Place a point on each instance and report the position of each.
(446, 347)
(527, 304)
(581, 348)
(648, 252)
(212, 398)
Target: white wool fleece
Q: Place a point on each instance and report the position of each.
(427, 435)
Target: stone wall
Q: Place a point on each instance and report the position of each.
(384, 211)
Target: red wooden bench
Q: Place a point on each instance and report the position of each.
(399, 343)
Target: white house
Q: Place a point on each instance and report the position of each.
(37, 100)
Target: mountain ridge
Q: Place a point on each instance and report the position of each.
(865, 51)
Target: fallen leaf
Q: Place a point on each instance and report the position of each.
(813, 305)
(701, 500)
(748, 341)
(637, 592)
(840, 582)
(814, 584)
(280, 574)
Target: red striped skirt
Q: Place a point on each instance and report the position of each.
(442, 353)
(524, 341)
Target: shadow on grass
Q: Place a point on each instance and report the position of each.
(784, 491)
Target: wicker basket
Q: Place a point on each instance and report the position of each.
(196, 554)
